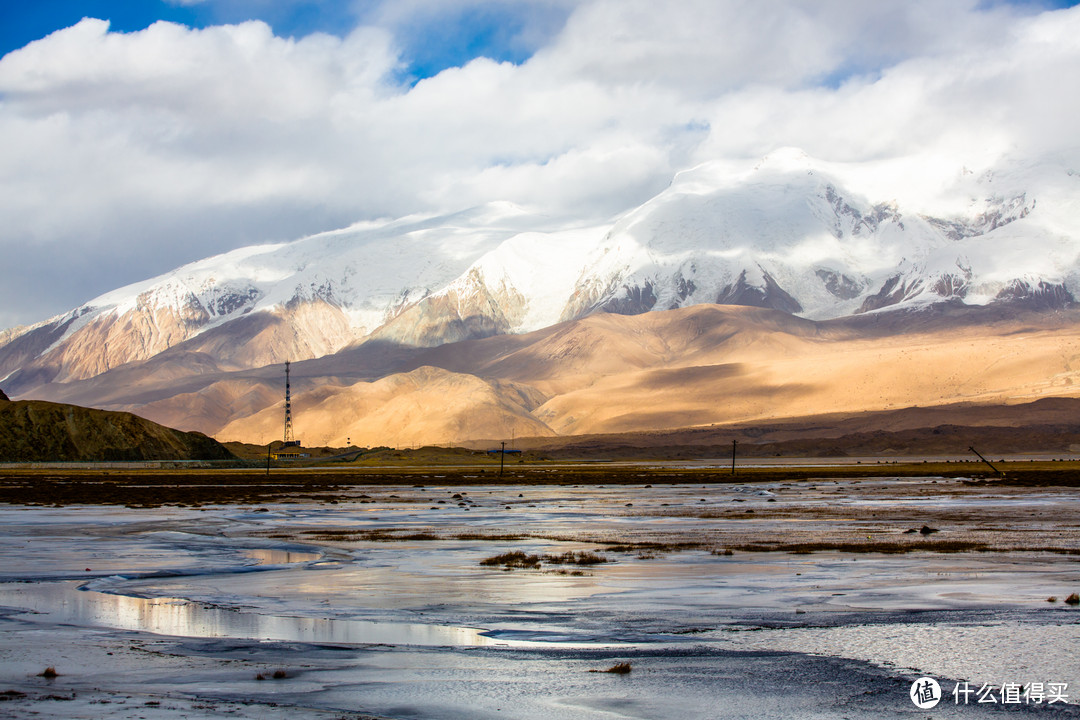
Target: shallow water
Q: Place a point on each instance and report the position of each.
(65, 603)
(293, 573)
(1031, 650)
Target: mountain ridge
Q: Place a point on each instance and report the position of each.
(824, 255)
(788, 232)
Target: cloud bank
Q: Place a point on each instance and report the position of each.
(127, 154)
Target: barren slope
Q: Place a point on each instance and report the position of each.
(426, 406)
(605, 373)
(762, 375)
(694, 367)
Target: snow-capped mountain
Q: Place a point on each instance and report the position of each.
(788, 232)
(794, 234)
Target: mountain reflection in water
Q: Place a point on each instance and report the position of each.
(64, 603)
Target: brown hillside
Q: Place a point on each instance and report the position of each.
(33, 431)
(427, 405)
(609, 374)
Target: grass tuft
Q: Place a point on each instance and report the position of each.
(49, 672)
(884, 547)
(377, 535)
(1073, 599)
(578, 558)
(619, 669)
(633, 547)
(511, 560)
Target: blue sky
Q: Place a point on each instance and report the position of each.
(22, 22)
(431, 38)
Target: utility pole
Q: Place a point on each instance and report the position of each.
(999, 472)
(268, 460)
(502, 458)
(734, 444)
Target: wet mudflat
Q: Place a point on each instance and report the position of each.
(328, 482)
(793, 598)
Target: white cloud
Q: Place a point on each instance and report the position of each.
(706, 47)
(126, 154)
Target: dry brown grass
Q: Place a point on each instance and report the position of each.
(652, 547)
(572, 558)
(618, 669)
(378, 535)
(511, 560)
(885, 547)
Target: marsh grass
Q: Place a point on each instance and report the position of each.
(572, 558)
(511, 560)
(520, 560)
(49, 672)
(884, 547)
(279, 674)
(1073, 599)
(619, 669)
(404, 535)
(652, 547)
(378, 535)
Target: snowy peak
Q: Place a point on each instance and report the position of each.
(780, 234)
(787, 231)
(797, 235)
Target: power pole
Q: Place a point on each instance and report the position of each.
(999, 472)
(502, 458)
(734, 444)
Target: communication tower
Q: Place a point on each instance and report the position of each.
(289, 440)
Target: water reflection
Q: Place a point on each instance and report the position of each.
(269, 556)
(64, 603)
